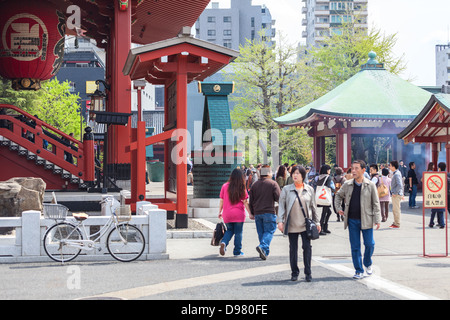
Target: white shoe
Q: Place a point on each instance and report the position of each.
(358, 275)
(369, 270)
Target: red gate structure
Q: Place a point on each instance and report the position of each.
(173, 63)
(432, 126)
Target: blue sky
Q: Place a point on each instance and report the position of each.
(419, 25)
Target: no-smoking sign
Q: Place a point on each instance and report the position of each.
(434, 189)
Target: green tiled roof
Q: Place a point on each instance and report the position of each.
(371, 93)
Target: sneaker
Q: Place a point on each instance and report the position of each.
(239, 254)
(261, 252)
(223, 248)
(369, 270)
(358, 276)
(415, 207)
(393, 226)
(308, 278)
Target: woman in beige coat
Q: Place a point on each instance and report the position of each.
(291, 220)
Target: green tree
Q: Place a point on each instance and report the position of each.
(23, 99)
(53, 104)
(343, 53)
(58, 107)
(268, 85)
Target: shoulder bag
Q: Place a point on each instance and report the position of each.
(311, 228)
(323, 194)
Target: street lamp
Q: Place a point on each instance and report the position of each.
(97, 99)
(97, 103)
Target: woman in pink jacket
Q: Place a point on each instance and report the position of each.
(233, 203)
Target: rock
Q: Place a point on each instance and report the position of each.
(36, 184)
(20, 194)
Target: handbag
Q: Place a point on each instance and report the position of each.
(311, 228)
(323, 194)
(218, 234)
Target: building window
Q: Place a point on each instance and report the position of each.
(336, 31)
(211, 32)
(211, 19)
(252, 23)
(227, 19)
(227, 44)
(227, 32)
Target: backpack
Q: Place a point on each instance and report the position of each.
(218, 234)
(337, 184)
(382, 188)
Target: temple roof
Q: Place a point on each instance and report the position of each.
(431, 124)
(151, 20)
(205, 59)
(372, 93)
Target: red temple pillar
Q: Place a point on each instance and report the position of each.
(182, 81)
(120, 95)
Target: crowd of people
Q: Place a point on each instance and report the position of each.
(286, 198)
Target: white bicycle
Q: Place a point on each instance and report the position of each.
(64, 241)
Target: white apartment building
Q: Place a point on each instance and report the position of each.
(324, 18)
(442, 64)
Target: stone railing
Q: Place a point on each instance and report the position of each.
(26, 245)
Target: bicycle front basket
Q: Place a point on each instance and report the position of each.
(55, 211)
(123, 213)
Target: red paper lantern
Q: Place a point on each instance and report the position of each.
(32, 42)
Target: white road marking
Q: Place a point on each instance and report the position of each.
(376, 282)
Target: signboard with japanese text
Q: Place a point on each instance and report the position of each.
(434, 189)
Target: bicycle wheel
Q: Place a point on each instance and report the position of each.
(125, 242)
(55, 242)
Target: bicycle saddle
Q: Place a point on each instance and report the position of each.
(80, 216)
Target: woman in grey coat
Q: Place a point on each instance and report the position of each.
(291, 220)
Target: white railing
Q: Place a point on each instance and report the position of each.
(26, 245)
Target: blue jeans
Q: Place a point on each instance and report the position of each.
(354, 228)
(266, 225)
(234, 228)
(440, 217)
(412, 196)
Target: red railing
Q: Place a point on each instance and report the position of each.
(45, 141)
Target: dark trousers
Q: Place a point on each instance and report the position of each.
(326, 213)
(293, 253)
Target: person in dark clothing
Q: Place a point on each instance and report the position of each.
(412, 183)
(324, 179)
(439, 212)
(263, 195)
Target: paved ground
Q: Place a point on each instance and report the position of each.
(195, 270)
